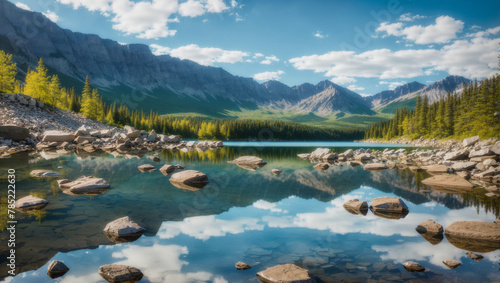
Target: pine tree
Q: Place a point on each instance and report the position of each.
(86, 103)
(55, 93)
(7, 72)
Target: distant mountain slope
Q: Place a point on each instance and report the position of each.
(387, 96)
(131, 74)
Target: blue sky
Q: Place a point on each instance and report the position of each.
(366, 46)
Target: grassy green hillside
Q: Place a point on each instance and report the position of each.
(391, 108)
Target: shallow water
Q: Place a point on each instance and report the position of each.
(250, 216)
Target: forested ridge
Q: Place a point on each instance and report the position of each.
(40, 85)
(476, 111)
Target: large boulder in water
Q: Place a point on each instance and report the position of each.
(474, 235)
(248, 162)
(40, 173)
(431, 231)
(375, 167)
(167, 169)
(120, 273)
(189, 179)
(30, 202)
(146, 168)
(389, 207)
(14, 133)
(56, 269)
(450, 182)
(355, 206)
(286, 273)
(320, 153)
(84, 185)
(123, 230)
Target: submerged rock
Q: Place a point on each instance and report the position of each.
(451, 264)
(120, 273)
(146, 168)
(44, 174)
(355, 206)
(321, 166)
(189, 179)
(286, 273)
(474, 256)
(56, 269)
(155, 158)
(30, 202)
(123, 230)
(242, 266)
(412, 266)
(474, 235)
(276, 171)
(389, 207)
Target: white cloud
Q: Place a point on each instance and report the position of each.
(268, 76)
(262, 204)
(408, 17)
(269, 60)
(51, 16)
(202, 55)
(355, 88)
(318, 34)
(148, 19)
(490, 31)
(341, 80)
(472, 58)
(23, 6)
(257, 55)
(191, 8)
(444, 30)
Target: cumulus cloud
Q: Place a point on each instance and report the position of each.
(202, 55)
(490, 31)
(355, 88)
(408, 17)
(472, 58)
(148, 19)
(444, 30)
(262, 204)
(318, 34)
(269, 60)
(51, 16)
(342, 80)
(268, 76)
(23, 6)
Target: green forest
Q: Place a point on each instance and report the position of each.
(40, 85)
(474, 112)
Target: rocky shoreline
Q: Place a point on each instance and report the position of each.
(421, 142)
(26, 124)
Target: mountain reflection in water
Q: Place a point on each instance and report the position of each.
(251, 216)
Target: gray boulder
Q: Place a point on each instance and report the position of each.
(375, 166)
(412, 266)
(57, 136)
(470, 141)
(40, 173)
(355, 206)
(30, 202)
(115, 273)
(457, 155)
(389, 207)
(56, 269)
(14, 133)
(319, 153)
(84, 185)
(451, 264)
(123, 230)
(189, 179)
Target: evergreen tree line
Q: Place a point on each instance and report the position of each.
(473, 112)
(40, 85)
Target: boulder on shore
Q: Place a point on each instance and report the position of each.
(450, 182)
(84, 185)
(30, 202)
(355, 206)
(286, 273)
(457, 155)
(114, 273)
(436, 169)
(389, 207)
(189, 179)
(474, 235)
(57, 136)
(123, 230)
(470, 141)
(15, 133)
(320, 153)
(56, 269)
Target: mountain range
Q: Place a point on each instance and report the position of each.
(133, 75)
